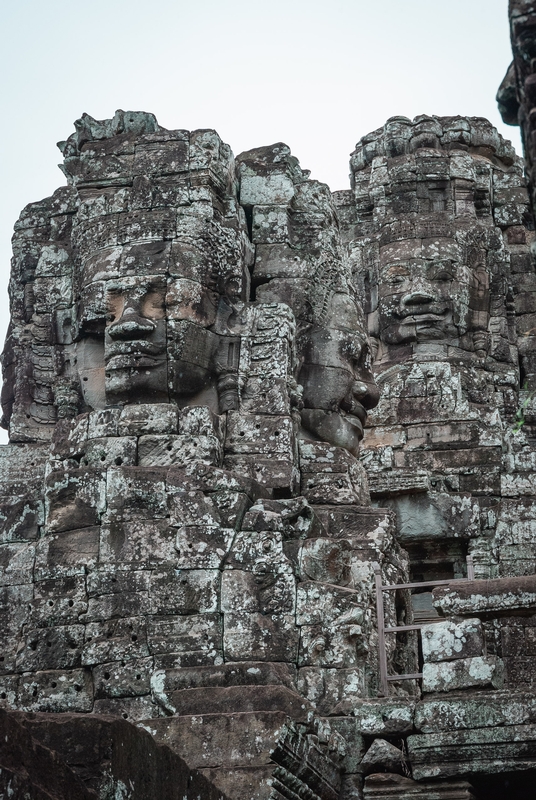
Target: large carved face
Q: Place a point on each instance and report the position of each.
(423, 301)
(338, 386)
(135, 354)
(143, 337)
(442, 297)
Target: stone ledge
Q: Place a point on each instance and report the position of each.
(500, 596)
(481, 750)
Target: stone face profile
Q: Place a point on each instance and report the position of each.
(516, 96)
(302, 263)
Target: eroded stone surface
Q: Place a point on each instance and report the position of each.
(191, 406)
(187, 535)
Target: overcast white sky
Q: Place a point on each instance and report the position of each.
(316, 75)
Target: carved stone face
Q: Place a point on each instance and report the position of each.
(338, 385)
(426, 301)
(141, 338)
(135, 355)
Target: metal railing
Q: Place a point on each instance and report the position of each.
(382, 629)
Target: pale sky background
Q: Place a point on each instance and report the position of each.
(316, 75)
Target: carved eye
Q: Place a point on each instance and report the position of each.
(441, 272)
(396, 276)
(351, 349)
(153, 303)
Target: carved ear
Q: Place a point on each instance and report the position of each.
(67, 397)
(374, 344)
(373, 324)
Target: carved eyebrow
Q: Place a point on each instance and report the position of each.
(397, 272)
(438, 269)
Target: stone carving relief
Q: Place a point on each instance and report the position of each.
(438, 229)
(198, 346)
(197, 537)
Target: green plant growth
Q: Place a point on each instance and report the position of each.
(520, 413)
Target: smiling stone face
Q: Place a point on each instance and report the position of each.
(159, 274)
(430, 200)
(135, 340)
(299, 261)
(438, 235)
(430, 300)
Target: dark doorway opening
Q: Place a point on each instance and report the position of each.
(505, 785)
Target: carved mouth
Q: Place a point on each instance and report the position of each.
(356, 416)
(133, 347)
(133, 361)
(428, 314)
(420, 319)
(356, 423)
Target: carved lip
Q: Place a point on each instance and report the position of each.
(423, 316)
(357, 416)
(352, 407)
(133, 361)
(133, 347)
(355, 422)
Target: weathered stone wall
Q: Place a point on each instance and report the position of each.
(82, 757)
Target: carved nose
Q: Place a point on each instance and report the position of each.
(131, 326)
(368, 394)
(417, 298)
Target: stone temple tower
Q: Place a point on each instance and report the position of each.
(187, 529)
(267, 510)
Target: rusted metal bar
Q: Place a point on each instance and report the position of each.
(470, 569)
(382, 630)
(382, 654)
(403, 628)
(393, 586)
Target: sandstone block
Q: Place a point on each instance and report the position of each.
(227, 740)
(74, 500)
(449, 676)
(149, 542)
(56, 691)
(383, 756)
(67, 554)
(202, 546)
(331, 689)
(260, 637)
(171, 450)
(106, 451)
(263, 591)
(242, 699)
(155, 419)
(475, 710)
(450, 640)
(115, 639)
(182, 591)
(195, 639)
(122, 679)
(46, 648)
(484, 750)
